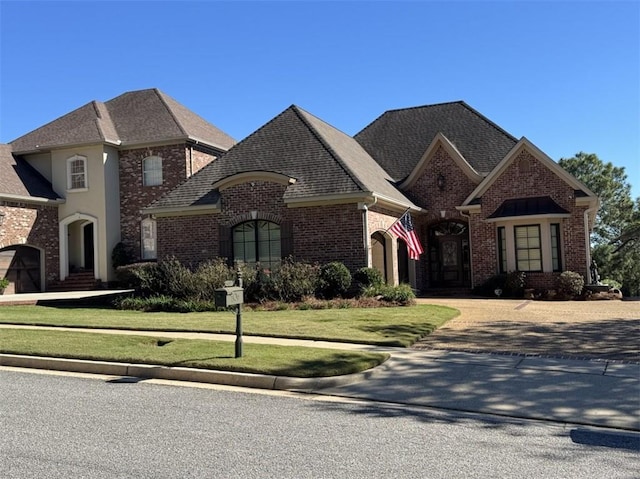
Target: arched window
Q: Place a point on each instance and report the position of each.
(148, 231)
(152, 171)
(257, 241)
(77, 173)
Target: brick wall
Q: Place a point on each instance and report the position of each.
(320, 233)
(426, 193)
(33, 225)
(176, 164)
(528, 177)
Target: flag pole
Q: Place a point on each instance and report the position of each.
(401, 216)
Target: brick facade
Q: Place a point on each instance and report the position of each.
(178, 163)
(319, 233)
(526, 176)
(32, 225)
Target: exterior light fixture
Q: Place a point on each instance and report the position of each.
(440, 181)
(2, 215)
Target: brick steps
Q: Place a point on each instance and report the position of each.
(83, 281)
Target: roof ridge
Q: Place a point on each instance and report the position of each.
(41, 127)
(162, 95)
(94, 104)
(299, 112)
(488, 121)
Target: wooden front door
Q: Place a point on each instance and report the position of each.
(449, 261)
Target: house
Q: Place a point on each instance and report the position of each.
(73, 189)
(144, 171)
(482, 201)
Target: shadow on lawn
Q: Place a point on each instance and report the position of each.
(613, 339)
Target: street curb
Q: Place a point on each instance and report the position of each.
(149, 371)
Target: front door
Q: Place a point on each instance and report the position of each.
(449, 261)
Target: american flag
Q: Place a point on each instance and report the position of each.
(403, 228)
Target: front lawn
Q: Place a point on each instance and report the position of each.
(400, 326)
(203, 354)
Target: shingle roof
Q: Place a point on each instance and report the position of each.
(322, 159)
(398, 138)
(19, 178)
(132, 118)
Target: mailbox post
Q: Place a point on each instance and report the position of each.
(233, 296)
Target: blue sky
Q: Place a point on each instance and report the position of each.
(564, 74)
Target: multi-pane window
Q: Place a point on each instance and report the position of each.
(555, 247)
(76, 173)
(152, 171)
(502, 249)
(528, 248)
(257, 242)
(148, 241)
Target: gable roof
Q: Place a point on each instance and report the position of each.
(137, 117)
(398, 139)
(524, 143)
(20, 180)
(321, 161)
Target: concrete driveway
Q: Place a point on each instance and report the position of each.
(572, 329)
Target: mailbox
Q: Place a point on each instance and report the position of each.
(229, 296)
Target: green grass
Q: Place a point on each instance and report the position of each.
(218, 355)
(401, 326)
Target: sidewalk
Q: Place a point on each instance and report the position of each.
(601, 391)
(588, 392)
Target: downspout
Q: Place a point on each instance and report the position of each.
(468, 216)
(364, 206)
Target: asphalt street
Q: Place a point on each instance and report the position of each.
(58, 426)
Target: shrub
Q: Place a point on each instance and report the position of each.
(612, 283)
(257, 286)
(141, 277)
(512, 285)
(334, 280)
(365, 277)
(163, 303)
(570, 284)
(120, 256)
(175, 279)
(293, 281)
(402, 294)
(210, 276)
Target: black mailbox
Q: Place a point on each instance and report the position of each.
(229, 296)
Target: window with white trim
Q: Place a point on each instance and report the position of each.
(152, 171)
(528, 248)
(76, 173)
(148, 229)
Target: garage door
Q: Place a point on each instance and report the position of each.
(21, 266)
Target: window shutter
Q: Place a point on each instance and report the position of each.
(286, 238)
(224, 243)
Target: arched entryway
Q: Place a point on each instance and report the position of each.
(379, 254)
(22, 266)
(78, 245)
(449, 257)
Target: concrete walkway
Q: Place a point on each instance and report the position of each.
(597, 392)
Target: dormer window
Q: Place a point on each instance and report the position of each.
(152, 171)
(77, 173)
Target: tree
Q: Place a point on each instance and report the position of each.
(615, 239)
